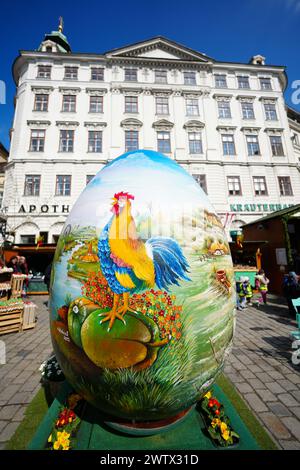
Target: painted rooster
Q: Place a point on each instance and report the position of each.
(130, 265)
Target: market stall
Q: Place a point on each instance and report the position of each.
(38, 258)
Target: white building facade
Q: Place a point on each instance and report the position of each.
(225, 123)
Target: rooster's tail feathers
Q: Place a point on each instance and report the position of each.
(170, 263)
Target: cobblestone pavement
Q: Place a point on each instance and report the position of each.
(262, 370)
(260, 366)
(20, 377)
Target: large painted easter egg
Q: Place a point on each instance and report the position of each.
(142, 290)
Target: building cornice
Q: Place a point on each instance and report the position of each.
(51, 161)
(144, 61)
(252, 164)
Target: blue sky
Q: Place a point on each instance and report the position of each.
(232, 30)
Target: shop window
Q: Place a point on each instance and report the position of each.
(27, 239)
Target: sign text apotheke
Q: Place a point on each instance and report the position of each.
(44, 209)
(258, 207)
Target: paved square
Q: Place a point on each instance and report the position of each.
(260, 366)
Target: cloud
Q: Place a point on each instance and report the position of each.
(292, 5)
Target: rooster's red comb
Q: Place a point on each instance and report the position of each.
(122, 194)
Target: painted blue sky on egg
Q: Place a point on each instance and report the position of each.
(152, 178)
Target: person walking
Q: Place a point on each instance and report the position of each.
(241, 294)
(291, 289)
(261, 283)
(248, 291)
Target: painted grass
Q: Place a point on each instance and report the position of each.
(33, 416)
(257, 430)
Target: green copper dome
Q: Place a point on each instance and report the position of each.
(58, 38)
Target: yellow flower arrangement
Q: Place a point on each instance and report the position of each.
(62, 441)
(226, 435)
(217, 423)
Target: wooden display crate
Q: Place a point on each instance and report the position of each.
(28, 320)
(10, 321)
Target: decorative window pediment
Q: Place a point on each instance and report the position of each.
(226, 129)
(193, 125)
(161, 93)
(268, 100)
(95, 125)
(131, 124)
(45, 90)
(245, 98)
(131, 91)
(69, 91)
(219, 97)
(250, 130)
(38, 124)
(68, 124)
(274, 130)
(96, 91)
(163, 125)
(191, 94)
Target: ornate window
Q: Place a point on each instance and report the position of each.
(131, 140)
(195, 142)
(220, 81)
(37, 140)
(224, 109)
(130, 74)
(69, 104)
(163, 142)
(247, 110)
(96, 104)
(131, 104)
(189, 78)
(228, 144)
(276, 145)
(234, 186)
(63, 185)
(41, 102)
(44, 71)
(66, 140)
(265, 83)
(97, 74)
(161, 76)
(162, 105)
(192, 107)
(95, 141)
(270, 111)
(252, 145)
(243, 82)
(285, 186)
(32, 185)
(71, 73)
(260, 186)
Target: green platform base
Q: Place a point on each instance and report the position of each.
(188, 435)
